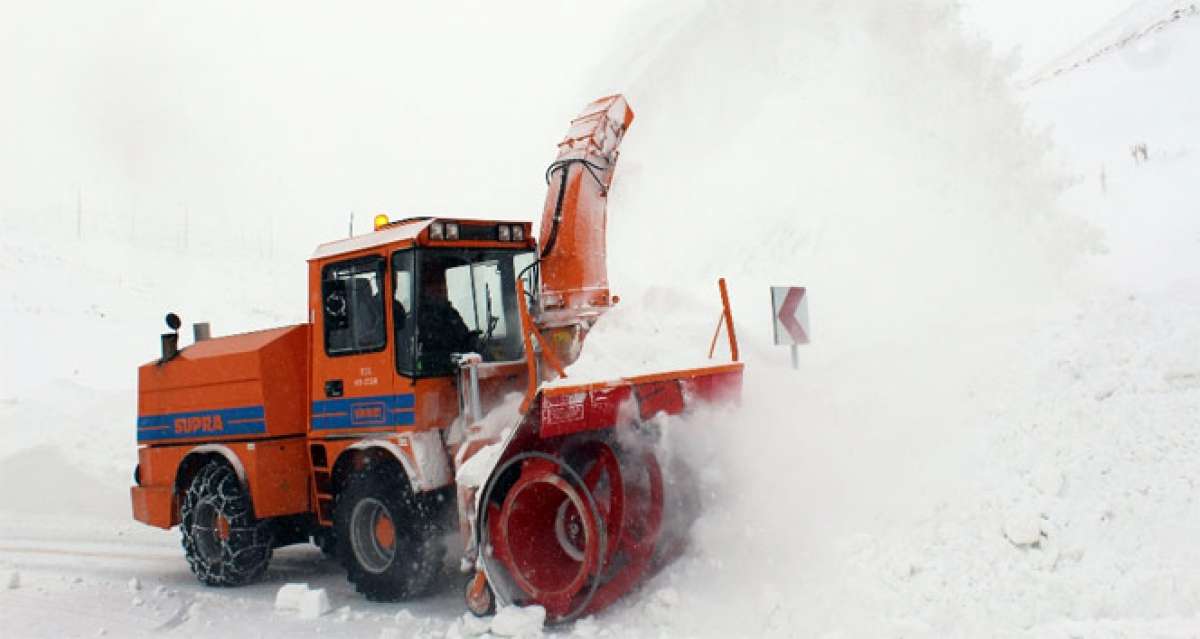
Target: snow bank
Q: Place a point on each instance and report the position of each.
(67, 380)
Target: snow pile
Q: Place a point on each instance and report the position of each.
(509, 621)
(498, 423)
(468, 625)
(659, 329)
(517, 621)
(479, 467)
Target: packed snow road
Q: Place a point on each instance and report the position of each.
(85, 577)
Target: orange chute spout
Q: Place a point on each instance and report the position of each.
(574, 273)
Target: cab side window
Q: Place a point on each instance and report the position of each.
(352, 301)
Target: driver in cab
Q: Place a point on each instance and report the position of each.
(440, 328)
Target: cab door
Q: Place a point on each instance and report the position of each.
(353, 375)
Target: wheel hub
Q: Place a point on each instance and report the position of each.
(568, 531)
(211, 531)
(373, 535)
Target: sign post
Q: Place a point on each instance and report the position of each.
(789, 310)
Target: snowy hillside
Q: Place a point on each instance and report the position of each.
(996, 431)
(1131, 34)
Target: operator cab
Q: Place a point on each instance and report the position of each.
(456, 300)
(416, 292)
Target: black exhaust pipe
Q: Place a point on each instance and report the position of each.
(170, 341)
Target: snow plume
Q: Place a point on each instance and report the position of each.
(870, 152)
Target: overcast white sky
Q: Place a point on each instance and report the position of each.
(274, 111)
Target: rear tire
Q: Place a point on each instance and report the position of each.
(223, 542)
(389, 544)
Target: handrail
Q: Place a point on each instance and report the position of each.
(528, 333)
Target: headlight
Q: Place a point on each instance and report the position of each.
(451, 231)
(437, 231)
(518, 232)
(504, 232)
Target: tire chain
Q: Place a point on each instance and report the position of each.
(247, 551)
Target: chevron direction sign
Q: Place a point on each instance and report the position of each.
(790, 312)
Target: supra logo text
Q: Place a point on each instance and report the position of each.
(200, 424)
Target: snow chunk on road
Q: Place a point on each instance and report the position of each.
(289, 595)
(515, 621)
(135, 585)
(310, 604)
(1023, 528)
(12, 580)
(314, 603)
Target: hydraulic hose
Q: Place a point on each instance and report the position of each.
(564, 165)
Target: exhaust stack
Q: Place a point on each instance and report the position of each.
(170, 341)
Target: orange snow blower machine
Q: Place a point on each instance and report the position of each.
(429, 386)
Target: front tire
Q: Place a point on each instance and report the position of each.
(388, 543)
(223, 542)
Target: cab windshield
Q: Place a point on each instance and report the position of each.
(450, 301)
